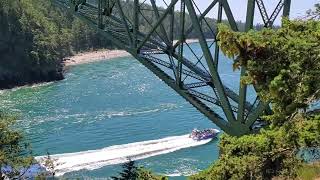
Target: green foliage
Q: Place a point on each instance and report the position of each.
(145, 174)
(284, 66)
(132, 172)
(129, 172)
(14, 152)
(35, 36)
(309, 171)
(271, 153)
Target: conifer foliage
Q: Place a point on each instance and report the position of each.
(284, 67)
(129, 172)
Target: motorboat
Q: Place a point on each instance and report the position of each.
(199, 135)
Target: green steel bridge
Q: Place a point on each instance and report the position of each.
(141, 28)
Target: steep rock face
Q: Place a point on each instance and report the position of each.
(13, 79)
(15, 70)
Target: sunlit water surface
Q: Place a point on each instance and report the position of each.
(109, 103)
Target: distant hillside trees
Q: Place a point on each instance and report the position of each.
(34, 38)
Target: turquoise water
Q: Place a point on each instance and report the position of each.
(109, 103)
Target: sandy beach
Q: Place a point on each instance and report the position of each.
(93, 56)
(104, 54)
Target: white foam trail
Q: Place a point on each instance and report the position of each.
(174, 174)
(182, 173)
(94, 159)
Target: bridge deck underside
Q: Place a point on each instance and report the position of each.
(155, 34)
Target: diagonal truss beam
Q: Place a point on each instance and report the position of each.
(202, 16)
(162, 29)
(215, 76)
(172, 4)
(124, 21)
(229, 15)
(263, 12)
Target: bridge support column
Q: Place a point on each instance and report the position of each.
(286, 8)
(136, 10)
(181, 39)
(243, 87)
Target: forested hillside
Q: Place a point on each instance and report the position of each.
(34, 38)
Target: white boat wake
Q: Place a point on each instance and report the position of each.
(94, 159)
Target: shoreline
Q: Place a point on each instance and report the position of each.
(94, 56)
(78, 59)
(103, 55)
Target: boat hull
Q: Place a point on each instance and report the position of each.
(204, 134)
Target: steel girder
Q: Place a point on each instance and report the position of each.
(142, 32)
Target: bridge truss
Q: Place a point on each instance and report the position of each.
(155, 33)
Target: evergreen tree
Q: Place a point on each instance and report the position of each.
(132, 172)
(129, 172)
